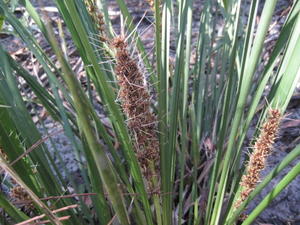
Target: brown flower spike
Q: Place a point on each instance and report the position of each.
(257, 161)
(18, 193)
(3, 154)
(97, 17)
(136, 103)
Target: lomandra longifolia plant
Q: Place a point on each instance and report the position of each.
(172, 156)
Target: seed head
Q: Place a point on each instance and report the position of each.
(136, 104)
(257, 160)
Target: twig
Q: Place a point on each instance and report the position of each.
(48, 221)
(112, 220)
(91, 194)
(26, 222)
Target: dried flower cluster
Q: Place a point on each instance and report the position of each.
(98, 19)
(3, 154)
(135, 100)
(151, 3)
(257, 161)
(19, 194)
